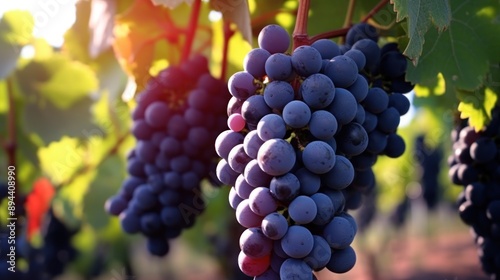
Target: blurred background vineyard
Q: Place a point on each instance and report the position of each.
(72, 104)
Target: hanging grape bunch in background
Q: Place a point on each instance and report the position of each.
(175, 139)
(304, 131)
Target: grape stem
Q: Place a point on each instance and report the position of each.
(375, 9)
(300, 32)
(228, 33)
(350, 13)
(191, 30)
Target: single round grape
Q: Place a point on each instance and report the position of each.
(297, 242)
(306, 61)
(285, 188)
(352, 139)
(296, 114)
(156, 114)
(339, 233)
(274, 39)
(323, 125)
(342, 260)
(255, 176)
(254, 244)
(302, 209)
(253, 266)
(241, 85)
(395, 146)
(327, 48)
(318, 91)
(279, 67)
(274, 226)
(271, 126)
(254, 108)
(341, 175)
(277, 94)
(276, 157)
(254, 62)
(262, 202)
(342, 70)
(246, 217)
(343, 106)
(318, 157)
(388, 120)
(236, 122)
(376, 101)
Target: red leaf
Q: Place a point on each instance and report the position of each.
(137, 31)
(37, 204)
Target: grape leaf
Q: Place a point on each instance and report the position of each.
(477, 106)
(420, 14)
(57, 79)
(60, 160)
(101, 24)
(238, 13)
(463, 51)
(16, 27)
(137, 31)
(106, 183)
(51, 123)
(171, 4)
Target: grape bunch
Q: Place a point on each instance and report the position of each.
(384, 70)
(302, 138)
(475, 165)
(177, 119)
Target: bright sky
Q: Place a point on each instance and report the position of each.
(52, 17)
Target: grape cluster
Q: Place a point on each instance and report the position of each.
(177, 119)
(384, 72)
(429, 161)
(304, 131)
(475, 165)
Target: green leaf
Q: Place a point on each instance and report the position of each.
(420, 14)
(16, 27)
(68, 203)
(58, 79)
(477, 106)
(51, 123)
(106, 183)
(60, 160)
(461, 53)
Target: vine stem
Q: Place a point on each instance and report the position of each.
(191, 31)
(300, 31)
(10, 147)
(350, 13)
(375, 9)
(228, 33)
